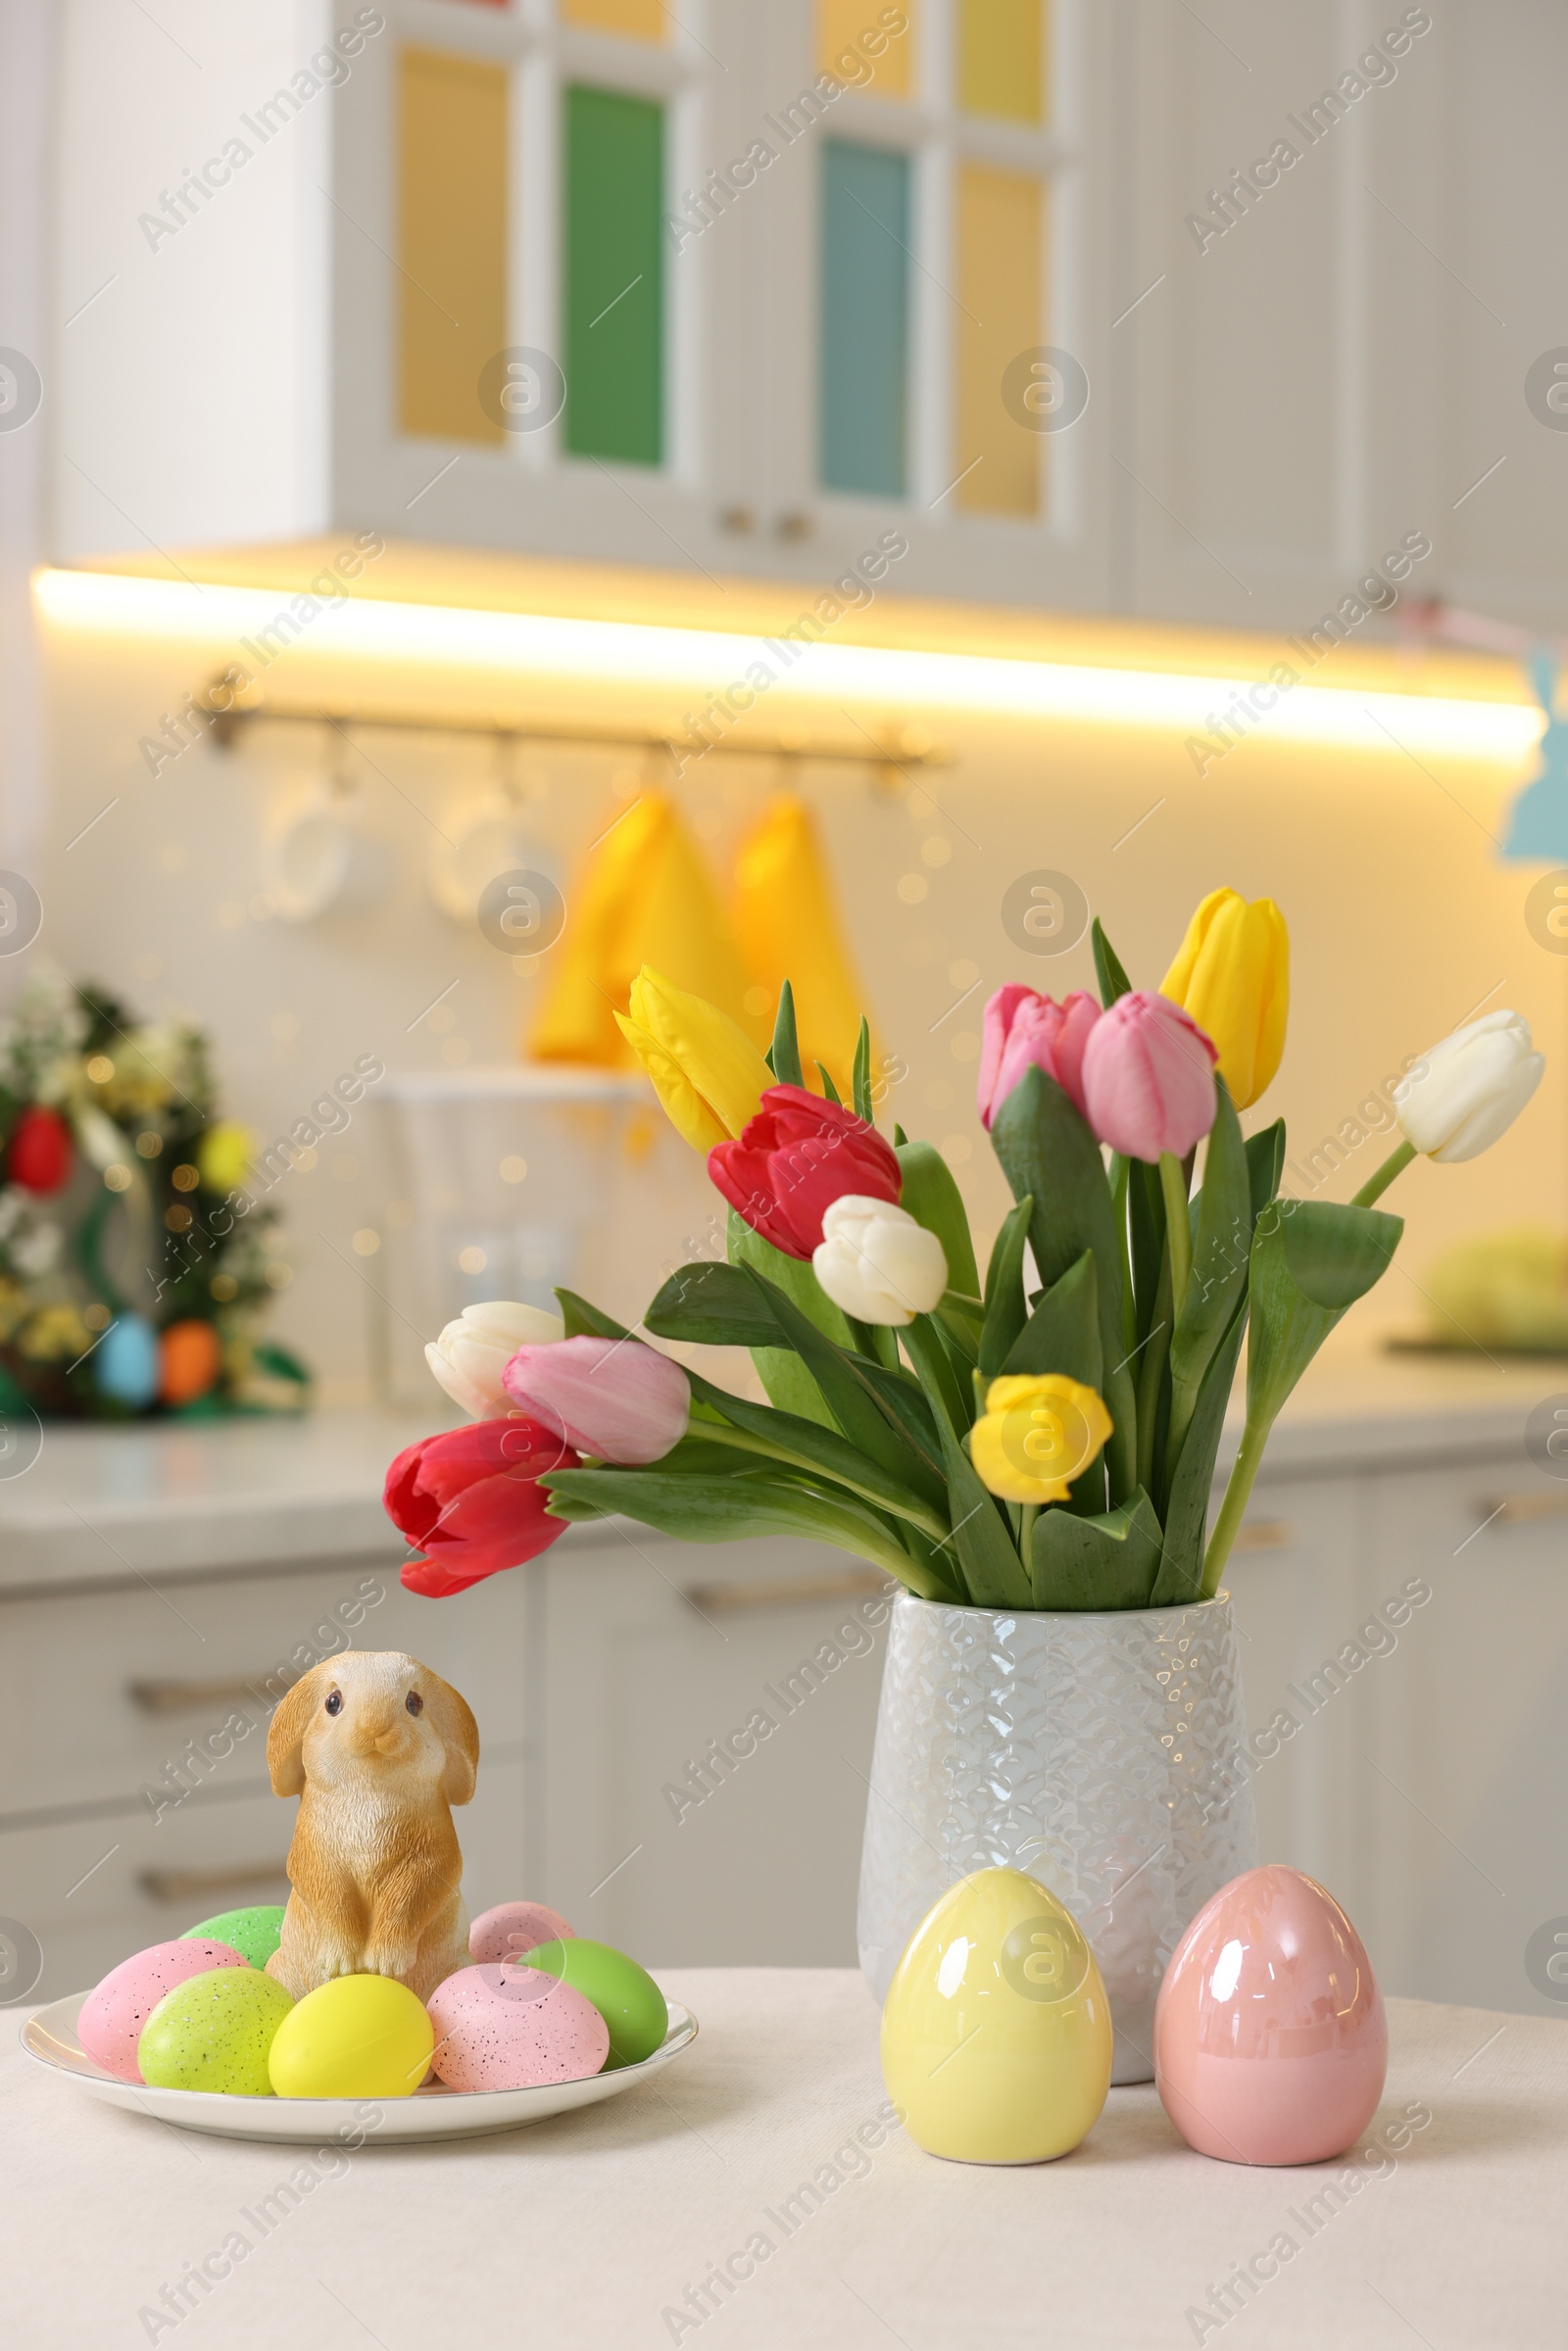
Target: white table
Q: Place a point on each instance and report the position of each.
(588, 2231)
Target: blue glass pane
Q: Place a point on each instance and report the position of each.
(866, 319)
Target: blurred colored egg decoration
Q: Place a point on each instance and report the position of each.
(513, 2028)
(512, 1928)
(214, 2032)
(358, 2036)
(255, 1933)
(113, 2013)
(42, 1155)
(125, 1362)
(624, 1994)
(1270, 2042)
(189, 1360)
(997, 2033)
(224, 1155)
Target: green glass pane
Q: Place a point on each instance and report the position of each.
(614, 178)
(866, 319)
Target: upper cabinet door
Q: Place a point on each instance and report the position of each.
(1344, 265)
(752, 289)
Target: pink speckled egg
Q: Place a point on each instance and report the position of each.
(512, 1928)
(113, 2013)
(512, 2027)
(1270, 2041)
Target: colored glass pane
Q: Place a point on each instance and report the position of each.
(633, 20)
(998, 239)
(614, 276)
(1002, 59)
(451, 240)
(866, 46)
(866, 319)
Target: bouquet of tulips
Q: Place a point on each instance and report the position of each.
(1046, 1440)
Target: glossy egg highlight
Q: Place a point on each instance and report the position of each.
(513, 2028)
(997, 2033)
(358, 2036)
(1270, 2042)
(112, 2014)
(214, 2032)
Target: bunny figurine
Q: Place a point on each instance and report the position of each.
(377, 1748)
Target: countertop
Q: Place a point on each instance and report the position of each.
(101, 1503)
(755, 2196)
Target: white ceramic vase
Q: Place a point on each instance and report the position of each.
(1102, 1753)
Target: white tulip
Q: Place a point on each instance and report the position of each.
(1467, 1091)
(876, 1264)
(473, 1352)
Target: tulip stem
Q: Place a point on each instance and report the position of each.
(1232, 1510)
(1178, 1231)
(1380, 1178)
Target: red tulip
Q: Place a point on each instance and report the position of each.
(794, 1160)
(1024, 1030)
(41, 1156)
(470, 1500)
(1148, 1078)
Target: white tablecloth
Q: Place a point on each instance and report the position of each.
(754, 2197)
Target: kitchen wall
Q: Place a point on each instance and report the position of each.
(1404, 922)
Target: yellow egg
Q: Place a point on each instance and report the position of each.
(996, 2036)
(358, 2036)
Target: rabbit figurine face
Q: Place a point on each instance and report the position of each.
(377, 1748)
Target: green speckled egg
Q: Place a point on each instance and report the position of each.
(254, 1934)
(624, 1994)
(208, 2033)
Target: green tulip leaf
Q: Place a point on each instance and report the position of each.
(1181, 1565)
(1222, 1239)
(992, 1569)
(1265, 1164)
(1049, 1155)
(784, 1055)
(1006, 1310)
(730, 1510)
(1063, 1333)
(583, 1319)
(850, 1392)
(1113, 981)
(1095, 1563)
(861, 1075)
(710, 1305)
(1311, 1260)
(932, 1198)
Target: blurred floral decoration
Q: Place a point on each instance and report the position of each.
(129, 1282)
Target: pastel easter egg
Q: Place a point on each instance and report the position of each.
(214, 2033)
(624, 1994)
(513, 2028)
(1270, 2041)
(115, 2011)
(255, 1933)
(125, 1362)
(997, 2035)
(189, 1360)
(514, 1927)
(358, 2036)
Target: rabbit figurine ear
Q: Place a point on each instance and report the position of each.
(458, 1734)
(285, 1738)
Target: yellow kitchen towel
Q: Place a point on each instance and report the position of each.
(786, 918)
(644, 896)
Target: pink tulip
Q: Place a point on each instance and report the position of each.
(1024, 1030)
(1148, 1078)
(614, 1399)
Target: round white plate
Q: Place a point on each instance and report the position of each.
(437, 2112)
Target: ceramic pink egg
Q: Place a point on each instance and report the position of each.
(513, 2027)
(113, 2013)
(512, 1928)
(1270, 2042)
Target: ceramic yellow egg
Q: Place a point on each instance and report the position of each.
(996, 2036)
(358, 2036)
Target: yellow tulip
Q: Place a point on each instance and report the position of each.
(1036, 1435)
(1232, 974)
(705, 1070)
(224, 1155)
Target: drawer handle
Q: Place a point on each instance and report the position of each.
(186, 1697)
(1265, 1535)
(1522, 1509)
(193, 1885)
(790, 1591)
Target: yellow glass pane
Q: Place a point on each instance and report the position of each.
(1000, 228)
(866, 47)
(633, 20)
(451, 240)
(1002, 59)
